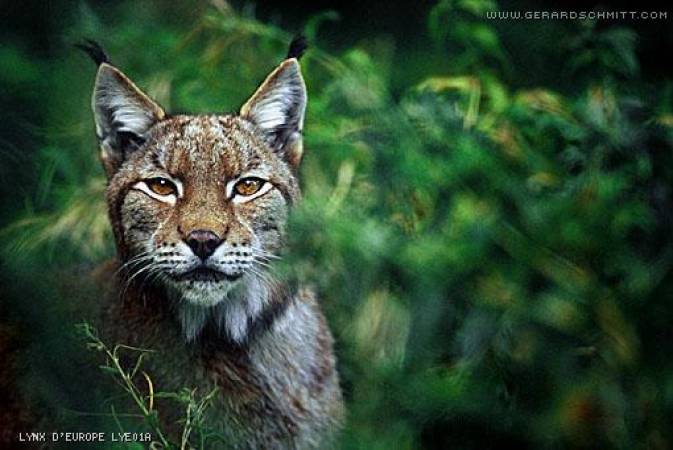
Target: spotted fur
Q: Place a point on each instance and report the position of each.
(222, 320)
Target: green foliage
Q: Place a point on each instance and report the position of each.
(194, 429)
(495, 261)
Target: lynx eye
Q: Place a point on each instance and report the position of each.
(161, 189)
(248, 186)
(162, 186)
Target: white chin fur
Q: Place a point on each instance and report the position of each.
(204, 294)
(230, 306)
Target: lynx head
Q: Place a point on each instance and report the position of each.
(199, 203)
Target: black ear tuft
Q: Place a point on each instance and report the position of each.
(94, 50)
(297, 47)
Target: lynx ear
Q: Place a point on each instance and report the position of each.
(123, 115)
(278, 107)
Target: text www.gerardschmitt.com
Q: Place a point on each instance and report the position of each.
(577, 15)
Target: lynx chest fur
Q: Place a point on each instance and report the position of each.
(198, 206)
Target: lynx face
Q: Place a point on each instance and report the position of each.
(199, 204)
(205, 205)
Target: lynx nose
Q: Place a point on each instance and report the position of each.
(203, 242)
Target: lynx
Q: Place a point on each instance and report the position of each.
(198, 206)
